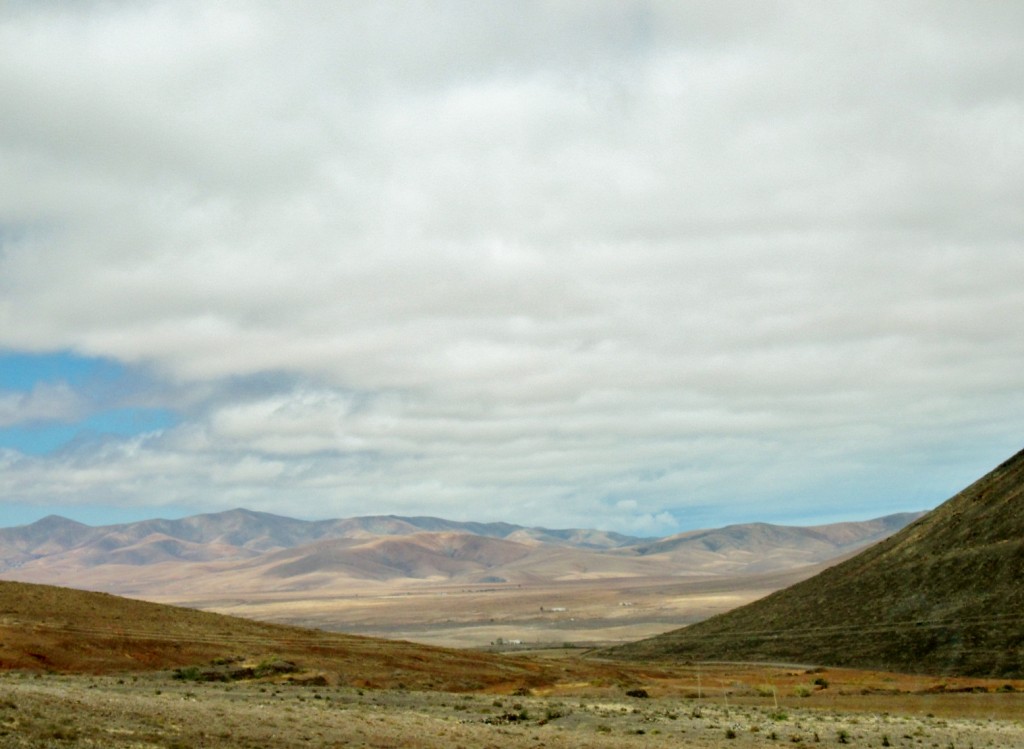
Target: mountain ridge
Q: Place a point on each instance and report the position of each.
(255, 532)
(247, 550)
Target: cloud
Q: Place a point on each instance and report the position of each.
(44, 402)
(557, 257)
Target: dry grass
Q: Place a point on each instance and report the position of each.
(155, 710)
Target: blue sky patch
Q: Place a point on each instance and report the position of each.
(22, 372)
(100, 382)
(44, 438)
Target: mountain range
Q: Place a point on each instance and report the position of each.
(242, 550)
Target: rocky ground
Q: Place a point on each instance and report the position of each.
(159, 710)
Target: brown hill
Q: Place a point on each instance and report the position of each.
(54, 629)
(944, 595)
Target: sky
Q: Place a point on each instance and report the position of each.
(640, 266)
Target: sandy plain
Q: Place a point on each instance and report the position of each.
(585, 612)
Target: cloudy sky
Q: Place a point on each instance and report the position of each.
(640, 266)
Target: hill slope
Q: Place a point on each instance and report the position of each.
(62, 630)
(944, 595)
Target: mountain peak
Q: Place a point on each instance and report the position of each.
(57, 521)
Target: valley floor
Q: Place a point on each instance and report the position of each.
(583, 612)
(156, 710)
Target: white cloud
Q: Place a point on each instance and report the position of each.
(520, 257)
(45, 402)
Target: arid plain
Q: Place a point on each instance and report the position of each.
(510, 616)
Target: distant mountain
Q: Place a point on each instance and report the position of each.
(394, 525)
(761, 547)
(443, 556)
(944, 595)
(417, 556)
(241, 550)
(241, 534)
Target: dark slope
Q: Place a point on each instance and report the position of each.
(944, 595)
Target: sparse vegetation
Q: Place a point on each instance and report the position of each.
(117, 713)
(553, 712)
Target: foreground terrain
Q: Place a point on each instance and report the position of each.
(80, 669)
(722, 706)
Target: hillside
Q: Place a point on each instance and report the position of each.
(944, 595)
(61, 630)
(419, 556)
